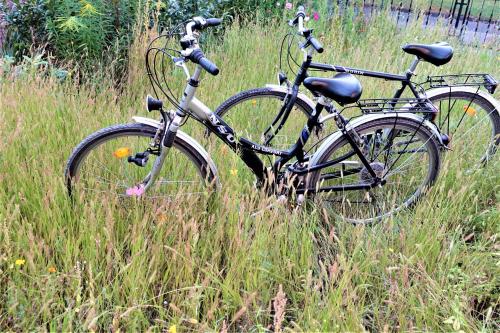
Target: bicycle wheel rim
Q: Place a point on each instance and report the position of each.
(472, 124)
(103, 169)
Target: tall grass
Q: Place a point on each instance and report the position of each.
(149, 266)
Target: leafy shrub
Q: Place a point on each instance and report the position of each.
(34, 66)
(23, 26)
(90, 33)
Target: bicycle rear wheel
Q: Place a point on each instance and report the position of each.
(100, 165)
(253, 112)
(400, 151)
(471, 122)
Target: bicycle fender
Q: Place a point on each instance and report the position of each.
(188, 140)
(473, 90)
(367, 118)
(300, 95)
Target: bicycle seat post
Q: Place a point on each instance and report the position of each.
(411, 71)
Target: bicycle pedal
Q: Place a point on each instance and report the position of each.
(140, 159)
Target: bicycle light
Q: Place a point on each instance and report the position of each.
(153, 104)
(281, 78)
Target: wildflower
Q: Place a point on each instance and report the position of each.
(162, 217)
(20, 262)
(315, 16)
(254, 102)
(88, 9)
(122, 152)
(172, 329)
(136, 190)
(288, 5)
(71, 23)
(234, 172)
(470, 111)
(52, 269)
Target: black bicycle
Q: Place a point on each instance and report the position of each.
(373, 166)
(468, 115)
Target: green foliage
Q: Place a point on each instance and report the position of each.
(25, 24)
(32, 66)
(87, 32)
(82, 32)
(79, 29)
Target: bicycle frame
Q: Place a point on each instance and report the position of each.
(404, 79)
(246, 149)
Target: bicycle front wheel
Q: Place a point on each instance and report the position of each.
(471, 122)
(101, 164)
(401, 152)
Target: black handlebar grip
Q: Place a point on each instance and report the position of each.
(198, 57)
(316, 44)
(213, 22)
(208, 66)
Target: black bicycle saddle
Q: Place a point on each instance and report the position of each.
(343, 88)
(437, 54)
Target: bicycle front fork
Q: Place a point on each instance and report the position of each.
(167, 142)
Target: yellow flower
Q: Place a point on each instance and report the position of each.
(20, 262)
(71, 23)
(234, 172)
(52, 269)
(172, 329)
(88, 9)
(122, 152)
(254, 102)
(224, 150)
(470, 111)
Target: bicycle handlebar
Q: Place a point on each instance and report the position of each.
(213, 22)
(316, 44)
(195, 54)
(310, 40)
(299, 17)
(198, 57)
(200, 23)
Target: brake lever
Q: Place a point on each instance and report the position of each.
(181, 62)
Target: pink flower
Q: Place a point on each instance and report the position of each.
(288, 5)
(315, 16)
(136, 191)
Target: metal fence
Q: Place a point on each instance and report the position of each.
(472, 21)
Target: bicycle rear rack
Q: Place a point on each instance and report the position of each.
(391, 105)
(477, 80)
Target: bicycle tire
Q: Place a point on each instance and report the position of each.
(485, 108)
(104, 135)
(377, 126)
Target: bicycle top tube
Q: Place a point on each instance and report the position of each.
(358, 71)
